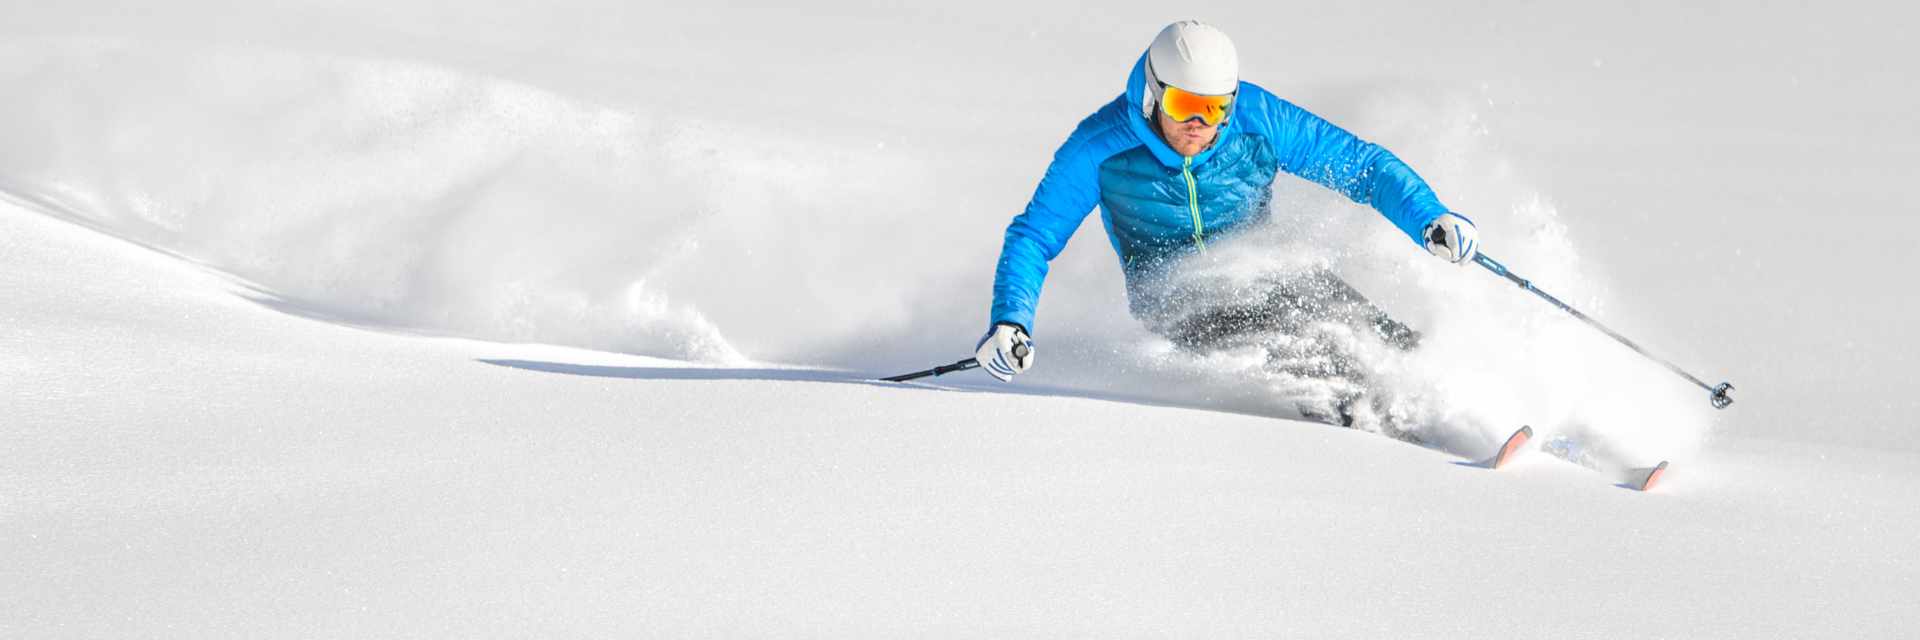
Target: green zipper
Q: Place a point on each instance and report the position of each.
(1193, 204)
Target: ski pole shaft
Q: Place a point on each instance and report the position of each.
(1720, 394)
(962, 365)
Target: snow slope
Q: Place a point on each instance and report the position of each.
(315, 317)
(184, 462)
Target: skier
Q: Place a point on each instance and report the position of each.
(1186, 157)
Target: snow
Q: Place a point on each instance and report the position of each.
(561, 319)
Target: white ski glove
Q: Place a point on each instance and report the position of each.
(1004, 351)
(1453, 238)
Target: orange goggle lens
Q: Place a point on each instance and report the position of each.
(1183, 106)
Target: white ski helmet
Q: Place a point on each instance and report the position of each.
(1195, 57)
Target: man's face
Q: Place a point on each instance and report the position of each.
(1187, 138)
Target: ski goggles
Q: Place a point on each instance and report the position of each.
(1183, 106)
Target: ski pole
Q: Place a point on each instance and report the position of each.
(1720, 394)
(962, 365)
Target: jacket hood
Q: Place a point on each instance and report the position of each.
(1137, 120)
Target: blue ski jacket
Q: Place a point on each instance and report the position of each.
(1157, 204)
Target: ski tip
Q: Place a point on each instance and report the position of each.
(1512, 448)
(1646, 479)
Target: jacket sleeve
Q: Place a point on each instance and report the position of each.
(1069, 191)
(1316, 150)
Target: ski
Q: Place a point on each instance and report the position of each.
(1637, 479)
(1645, 479)
(1512, 448)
